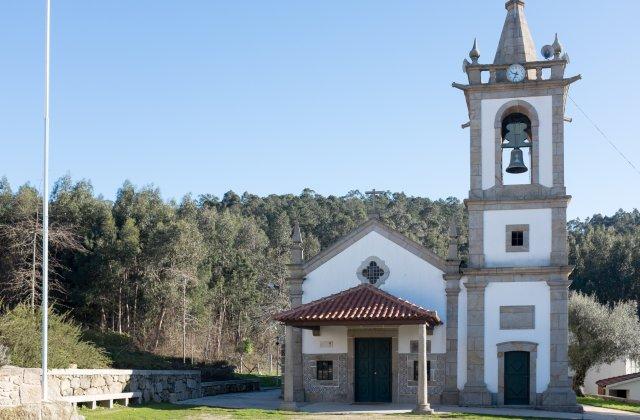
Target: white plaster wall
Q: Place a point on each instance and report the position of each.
(632, 386)
(410, 278)
(331, 340)
(407, 333)
(495, 250)
(543, 106)
(516, 293)
(603, 371)
(462, 335)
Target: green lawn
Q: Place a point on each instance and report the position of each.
(616, 405)
(174, 411)
(171, 411)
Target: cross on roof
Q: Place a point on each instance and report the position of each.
(374, 195)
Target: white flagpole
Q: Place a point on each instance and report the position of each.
(45, 207)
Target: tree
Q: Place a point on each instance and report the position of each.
(606, 253)
(600, 334)
(21, 238)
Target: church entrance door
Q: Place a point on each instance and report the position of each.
(516, 378)
(372, 370)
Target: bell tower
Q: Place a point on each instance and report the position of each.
(517, 215)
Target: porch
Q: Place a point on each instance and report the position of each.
(367, 364)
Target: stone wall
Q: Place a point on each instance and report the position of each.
(20, 397)
(225, 387)
(408, 387)
(21, 386)
(155, 385)
(334, 390)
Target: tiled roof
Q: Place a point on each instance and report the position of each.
(616, 379)
(363, 304)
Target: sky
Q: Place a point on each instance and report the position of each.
(206, 96)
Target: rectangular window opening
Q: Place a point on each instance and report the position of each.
(324, 370)
(619, 393)
(416, 370)
(517, 238)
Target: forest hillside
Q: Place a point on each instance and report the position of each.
(208, 272)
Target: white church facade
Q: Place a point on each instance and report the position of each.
(377, 317)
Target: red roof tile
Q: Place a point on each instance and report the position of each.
(616, 379)
(363, 304)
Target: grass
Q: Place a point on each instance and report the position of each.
(266, 381)
(172, 411)
(616, 405)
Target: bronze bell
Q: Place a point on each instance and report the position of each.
(516, 166)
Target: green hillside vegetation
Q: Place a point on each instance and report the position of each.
(20, 331)
(143, 267)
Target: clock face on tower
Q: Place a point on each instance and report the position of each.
(516, 73)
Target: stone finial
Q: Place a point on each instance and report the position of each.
(452, 253)
(474, 54)
(557, 48)
(297, 252)
(516, 44)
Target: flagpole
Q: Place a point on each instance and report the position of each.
(45, 207)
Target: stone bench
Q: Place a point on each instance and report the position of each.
(109, 398)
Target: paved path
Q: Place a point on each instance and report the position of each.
(270, 400)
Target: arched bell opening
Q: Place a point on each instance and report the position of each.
(516, 143)
(517, 111)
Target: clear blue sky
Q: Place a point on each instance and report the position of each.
(275, 96)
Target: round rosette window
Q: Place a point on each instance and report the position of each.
(373, 271)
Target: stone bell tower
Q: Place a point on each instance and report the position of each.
(517, 217)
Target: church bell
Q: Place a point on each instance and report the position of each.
(516, 165)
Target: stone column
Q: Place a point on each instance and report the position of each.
(559, 395)
(289, 401)
(293, 381)
(450, 395)
(559, 247)
(475, 391)
(293, 384)
(423, 406)
(476, 237)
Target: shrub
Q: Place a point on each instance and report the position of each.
(20, 330)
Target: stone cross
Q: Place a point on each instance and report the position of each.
(374, 195)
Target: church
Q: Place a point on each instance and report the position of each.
(377, 317)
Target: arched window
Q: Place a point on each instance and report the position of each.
(517, 111)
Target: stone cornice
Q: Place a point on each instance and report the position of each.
(560, 201)
(564, 270)
(374, 225)
(559, 283)
(508, 86)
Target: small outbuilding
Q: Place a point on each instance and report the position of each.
(623, 386)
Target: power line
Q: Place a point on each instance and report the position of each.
(605, 136)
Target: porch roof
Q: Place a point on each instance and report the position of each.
(363, 304)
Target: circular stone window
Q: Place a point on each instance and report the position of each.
(373, 271)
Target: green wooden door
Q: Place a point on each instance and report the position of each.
(373, 369)
(516, 378)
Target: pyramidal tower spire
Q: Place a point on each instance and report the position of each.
(516, 44)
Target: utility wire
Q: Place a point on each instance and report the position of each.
(634, 167)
